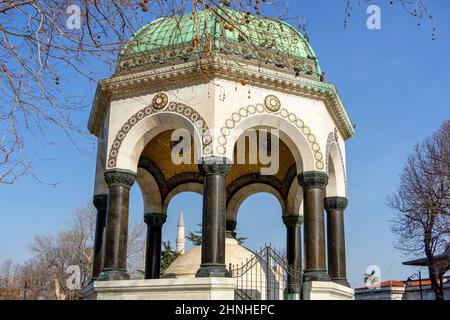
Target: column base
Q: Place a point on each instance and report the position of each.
(328, 290)
(316, 275)
(341, 281)
(292, 296)
(293, 292)
(113, 275)
(163, 289)
(212, 271)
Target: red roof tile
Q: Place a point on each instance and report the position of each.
(385, 284)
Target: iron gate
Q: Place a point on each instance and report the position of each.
(266, 276)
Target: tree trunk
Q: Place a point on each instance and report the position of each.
(435, 285)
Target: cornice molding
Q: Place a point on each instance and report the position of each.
(224, 69)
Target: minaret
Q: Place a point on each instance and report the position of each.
(180, 234)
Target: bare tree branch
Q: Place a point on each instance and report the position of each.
(422, 203)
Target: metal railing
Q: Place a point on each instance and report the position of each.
(266, 276)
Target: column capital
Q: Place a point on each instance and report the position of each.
(100, 201)
(230, 229)
(215, 166)
(335, 203)
(121, 178)
(292, 220)
(313, 179)
(231, 225)
(155, 219)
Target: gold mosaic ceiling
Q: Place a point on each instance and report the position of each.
(159, 151)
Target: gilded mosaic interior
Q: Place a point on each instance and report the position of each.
(160, 148)
(286, 159)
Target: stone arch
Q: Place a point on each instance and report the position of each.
(247, 185)
(294, 199)
(337, 182)
(243, 193)
(195, 187)
(294, 203)
(293, 131)
(147, 123)
(150, 191)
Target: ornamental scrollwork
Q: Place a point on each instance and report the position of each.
(194, 117)
(333, 138)
(246, 112)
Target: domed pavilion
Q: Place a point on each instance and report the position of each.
(224, 104)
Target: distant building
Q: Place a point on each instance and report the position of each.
(401, 290)
(410, 289)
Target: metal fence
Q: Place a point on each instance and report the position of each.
(266, 276)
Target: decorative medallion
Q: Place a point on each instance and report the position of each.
(160, 101)
(251, 110)
(272, 103)
(194, 117)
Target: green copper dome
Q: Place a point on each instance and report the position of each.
(223, 33)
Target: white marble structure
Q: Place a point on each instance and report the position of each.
(193, 73)
(181, 238)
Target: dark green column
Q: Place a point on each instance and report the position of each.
(100, 203)
(116, 236)
(154, 223)
(313, 184)
(294, 254)
(214, 170)
(335, 207)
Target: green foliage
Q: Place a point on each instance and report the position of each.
(241, 240)
(196, 237)
(168, 256)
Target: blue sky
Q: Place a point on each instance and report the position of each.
(393, 82)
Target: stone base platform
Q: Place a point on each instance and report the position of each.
(198, 289)
(163, 289)
(328, 290)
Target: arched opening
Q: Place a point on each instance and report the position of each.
(336, 173)
(259, 219)
(160, 182)
(151, 196)
(264, 208)
(190, 203)
(136, 234)
(138, 138)
(247, 177)
(283, 130)
(190, 187)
